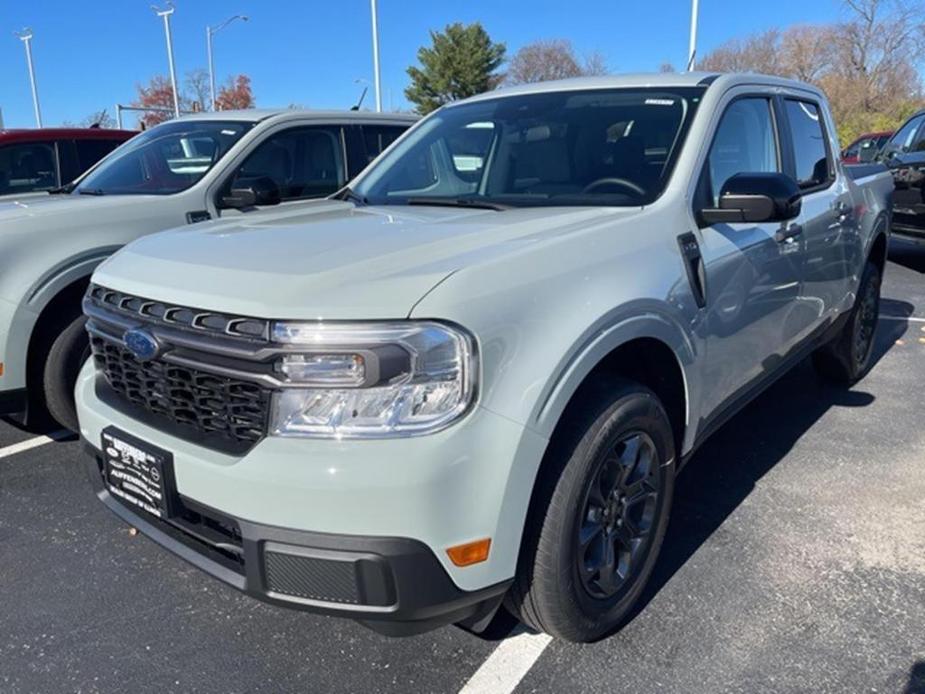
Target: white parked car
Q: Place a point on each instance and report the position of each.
(184, 171)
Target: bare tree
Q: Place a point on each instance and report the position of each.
(552, 59)
(197, 87)
(755, 53)
(807, 52)
(866, 64)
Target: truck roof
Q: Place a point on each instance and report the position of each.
(656, 79)
(259, 114)
(42, 134)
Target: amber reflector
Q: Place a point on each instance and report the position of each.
(470, 553)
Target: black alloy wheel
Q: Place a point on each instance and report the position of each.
(616, 530)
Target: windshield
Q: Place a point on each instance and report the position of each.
(600, 147)
(164, 160)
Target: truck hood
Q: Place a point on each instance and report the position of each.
(45, 207)
(329, 260)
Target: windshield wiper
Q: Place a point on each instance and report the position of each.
(350, 195)
(460, 202)
(62, 190)
(91, 191)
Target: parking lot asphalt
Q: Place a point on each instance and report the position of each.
(795, 561)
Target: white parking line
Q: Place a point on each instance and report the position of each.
(507, 665)
(29, 444)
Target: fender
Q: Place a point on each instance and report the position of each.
(64, 274)
(26, 314)
(639, 319)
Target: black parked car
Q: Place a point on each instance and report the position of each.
(904, 154)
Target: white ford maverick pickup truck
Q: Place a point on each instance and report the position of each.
(469, 379)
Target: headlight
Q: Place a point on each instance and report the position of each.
(372, 380)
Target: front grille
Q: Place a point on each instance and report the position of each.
(160, 313)
(189, 398)
(207, 383)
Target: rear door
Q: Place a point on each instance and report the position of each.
(752, 279)
(829, 222)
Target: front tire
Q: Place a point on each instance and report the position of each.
(69, 350)
(849, 356)
(599, 514)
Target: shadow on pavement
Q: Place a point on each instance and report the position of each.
(729, 465)
(916, 684)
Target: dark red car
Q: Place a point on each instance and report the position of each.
(865, 148)
(38, 160)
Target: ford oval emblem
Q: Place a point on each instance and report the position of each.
(141, 343)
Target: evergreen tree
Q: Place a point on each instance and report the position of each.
(462, 62)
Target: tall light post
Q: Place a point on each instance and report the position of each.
(376, 77)
(165, 15)
(210, 32)
(692, 49)
(26, 37)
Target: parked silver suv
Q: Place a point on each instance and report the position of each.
(471, 378)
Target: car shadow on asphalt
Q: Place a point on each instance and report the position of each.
(916, 683)
(728, 466)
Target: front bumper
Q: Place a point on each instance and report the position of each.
(395, 586)
(470, 481)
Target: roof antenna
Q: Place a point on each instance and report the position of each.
(359, 103)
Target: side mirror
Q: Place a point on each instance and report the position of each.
(251, 192)
(868, 153)
(756, 198)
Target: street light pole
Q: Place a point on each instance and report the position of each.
(692, 50)
(165, 14)
(210, 32)
(376, 77)
(26, 37)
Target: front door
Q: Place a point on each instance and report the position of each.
(752, 272)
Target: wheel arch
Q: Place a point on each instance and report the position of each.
(650, 349)
(879, 247)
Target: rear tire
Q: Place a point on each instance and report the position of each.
(849, 356)
(599, 514)
(69, 350)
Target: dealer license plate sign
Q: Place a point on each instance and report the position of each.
(138, 473)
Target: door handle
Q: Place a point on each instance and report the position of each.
(789, 234)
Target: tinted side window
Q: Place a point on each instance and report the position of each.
(744, 143)
(809, 149)
(27, 167)
(378, 137)
(303, 162)
(902, 140)
(91, 151)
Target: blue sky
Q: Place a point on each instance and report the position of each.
(91, 54)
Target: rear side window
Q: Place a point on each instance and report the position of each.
(303, 162)
(91, 151)
(811, 155)
(744, 143)
(378, 137)
(28, 168)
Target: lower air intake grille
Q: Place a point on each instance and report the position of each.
(312, 578)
